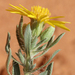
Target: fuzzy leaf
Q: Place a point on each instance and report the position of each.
(15, 70)
(54, 54)
(50, 45)
(41, 48)
(8, 61)
(47, 34)
(47, 61)
(50, 41)
(37, 49)
(57, 39)
(19, 38)
(16, 61)
(44, 51)
(39, 44)
(43, 73)
(49, 69)
(27, 39)
(37, 27)
(21, 57)
(8, 43)
(34, 42)
(20, 27)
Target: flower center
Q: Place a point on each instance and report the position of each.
(40, 13)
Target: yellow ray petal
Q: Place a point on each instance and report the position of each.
(50, 23)
(18, 13)
(59, 22)
(29, 12)
(45, 19)
(42, 16)
(31, 16)
(65, 22)
(18, 9)
(56, 17)
(59, 25)
(62, 26)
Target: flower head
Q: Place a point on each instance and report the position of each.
(39, 14)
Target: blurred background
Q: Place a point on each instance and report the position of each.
(64, 61)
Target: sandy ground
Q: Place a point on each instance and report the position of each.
(64, 62)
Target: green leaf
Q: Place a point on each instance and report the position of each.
(37, 27)
(16, 61)
(50, 41)
(50, 45)
(41, 48)
(16, 69)
(57, 39)
(27, 39)
(20, 27)
(54, 54)
(21, 57)
(44, 51)
(47, 34)
(49, 69)
(47, 61)
(8, 61)
(8, 43)
(19, 38)
(43, 73)
(38, 49)
(39, 44)
(34, 41)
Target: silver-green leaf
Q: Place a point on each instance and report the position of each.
(8, 43)
(57, 39)
(21, 57)
(20, 28)
(41, 48)
(27, 39)
(34, 41)
(47, 33)
(49, 69)
(47, 61)
(50, 41)
(39, 44)
(8, 61)
(43, 73)
(15, 69)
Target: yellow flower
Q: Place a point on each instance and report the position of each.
(40, 14)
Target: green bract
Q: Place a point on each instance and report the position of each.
(36, 27)
(47, 34)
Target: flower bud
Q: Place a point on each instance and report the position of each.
(37, 27)
(47, 34)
